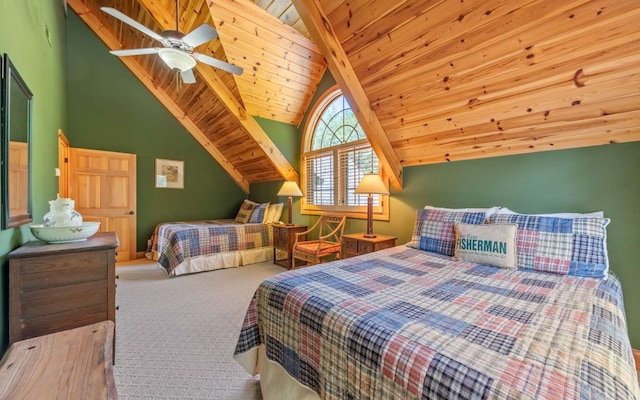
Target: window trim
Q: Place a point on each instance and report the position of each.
(380, 213)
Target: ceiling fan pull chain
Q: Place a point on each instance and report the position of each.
(177, 15)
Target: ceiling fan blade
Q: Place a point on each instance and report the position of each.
(188, 76)
(129, 21)
(200, 35)
(134, 52)
(214, 62)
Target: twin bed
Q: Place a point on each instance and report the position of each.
(197, 246)
(416, 322)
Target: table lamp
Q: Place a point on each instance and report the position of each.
(290, 189)
(371, 184)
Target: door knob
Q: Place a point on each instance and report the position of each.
(131, 213)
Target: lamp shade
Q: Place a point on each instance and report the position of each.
(176, 59)
(371, 183)
(290, 188)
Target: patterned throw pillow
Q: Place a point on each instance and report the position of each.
(487, 211)
(258, 214)
(505, 210)
(434, 228)
(244, 213)
(567, 246)
(487, 244)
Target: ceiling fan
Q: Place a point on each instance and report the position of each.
(177, 51)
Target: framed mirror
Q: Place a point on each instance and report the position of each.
(16, 147)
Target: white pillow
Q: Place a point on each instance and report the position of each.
(268, 214)
(487, 211)
(595, 214)
(487, 244)
(274, 211)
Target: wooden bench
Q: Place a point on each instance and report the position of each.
(72, 364)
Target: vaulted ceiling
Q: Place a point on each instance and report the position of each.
(430, 80)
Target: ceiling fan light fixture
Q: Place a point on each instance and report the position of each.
(177, 59)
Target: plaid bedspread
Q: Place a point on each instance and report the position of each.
(404, 323)
(173, 243)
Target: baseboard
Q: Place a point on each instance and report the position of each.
(141, 254)
(636, 357)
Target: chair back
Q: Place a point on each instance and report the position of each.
(331, 227)
(329, 242)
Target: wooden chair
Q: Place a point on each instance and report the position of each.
(329, 242)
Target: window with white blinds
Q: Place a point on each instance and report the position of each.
(337, 155)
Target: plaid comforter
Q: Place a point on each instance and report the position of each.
(173, 243)
(404, 323)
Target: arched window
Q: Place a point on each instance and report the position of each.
(336, 156)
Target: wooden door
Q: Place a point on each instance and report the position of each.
(63, 164)
(18, 178)
(103, 185)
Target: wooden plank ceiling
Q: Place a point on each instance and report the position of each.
(454, 80)
(430, 80)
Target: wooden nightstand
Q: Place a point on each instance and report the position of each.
(356, 244)
(284, 236)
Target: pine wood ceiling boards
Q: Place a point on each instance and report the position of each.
(430, 80)
(476, 78)
(281, 66)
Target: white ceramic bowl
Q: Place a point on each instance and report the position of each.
(65, 234)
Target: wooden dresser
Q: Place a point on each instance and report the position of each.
(54, 287)
(356, 244)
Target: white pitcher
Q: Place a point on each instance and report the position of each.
(61, 213)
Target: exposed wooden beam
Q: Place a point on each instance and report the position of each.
(114, 44)
(321, 31)
(273, 154)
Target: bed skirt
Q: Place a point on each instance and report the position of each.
(275, 381)
(230, 259)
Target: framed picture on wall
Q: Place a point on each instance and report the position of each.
(169, 174)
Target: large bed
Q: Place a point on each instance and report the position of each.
(410, 322)
(196, 246)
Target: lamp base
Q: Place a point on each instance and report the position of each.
(369, 236)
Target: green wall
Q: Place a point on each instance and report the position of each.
(109, 109)
(32, 33)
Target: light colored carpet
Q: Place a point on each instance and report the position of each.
(175, 337)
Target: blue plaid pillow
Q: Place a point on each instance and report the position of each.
(257, 216)
(435, 228)
(567, 246)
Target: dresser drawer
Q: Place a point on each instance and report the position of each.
(45, 324)
(63, 270)
(357, 244)
(63, 298)
(350, 245)
(280, 241)
(365, 247)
